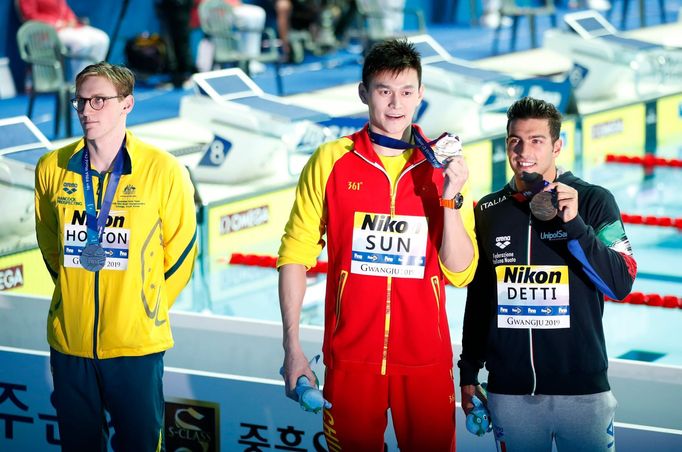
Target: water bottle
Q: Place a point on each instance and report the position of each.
(309, 397)
(478, 420)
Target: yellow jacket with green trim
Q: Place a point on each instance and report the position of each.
(149, 241)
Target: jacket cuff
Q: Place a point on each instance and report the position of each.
(575, 228)
(468, 374)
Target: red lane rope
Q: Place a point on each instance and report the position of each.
(257, 260)
(652, 299)
(650, 220)
(648, 160)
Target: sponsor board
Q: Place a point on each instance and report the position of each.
(617, 131)
(669, 123)
(33, 279)
(250, 225)
(191, 425)
(11, 277)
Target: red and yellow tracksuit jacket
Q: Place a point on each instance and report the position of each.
(385, 298)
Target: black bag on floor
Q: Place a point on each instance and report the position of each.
(147, 54)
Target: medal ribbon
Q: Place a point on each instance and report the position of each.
(421, 144)
(536, 184)
(94, 222)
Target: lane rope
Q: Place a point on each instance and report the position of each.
(637, 298)
(648, 160)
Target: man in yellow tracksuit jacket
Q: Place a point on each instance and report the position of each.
(115, 222)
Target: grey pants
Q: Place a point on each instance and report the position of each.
(576, 423)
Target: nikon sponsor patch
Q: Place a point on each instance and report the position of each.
(389, 246)
(533, 296)
(115, 240)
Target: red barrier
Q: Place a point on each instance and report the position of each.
(653, 299)
(651, 220)
(648, 160)
(256, 260)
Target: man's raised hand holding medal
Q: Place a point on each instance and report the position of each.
(566, 200)
(448, 152)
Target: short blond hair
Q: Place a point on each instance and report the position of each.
(120, 76)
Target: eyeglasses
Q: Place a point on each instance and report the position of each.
(97, 102)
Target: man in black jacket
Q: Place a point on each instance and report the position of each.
(551, 246)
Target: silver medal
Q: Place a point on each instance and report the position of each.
(93, 257)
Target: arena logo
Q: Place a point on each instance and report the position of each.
(11, 277)
(608, 128)
(70, 188)
(244, 220)
(503, 241)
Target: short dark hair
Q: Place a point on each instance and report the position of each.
(530, 108)
(120, 76)
(394, 56)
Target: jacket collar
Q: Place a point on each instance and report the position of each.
(75, 163)
(363, 146)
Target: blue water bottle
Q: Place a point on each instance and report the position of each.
(478, 419)
(308, 396)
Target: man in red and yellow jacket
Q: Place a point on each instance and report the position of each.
(396, 228)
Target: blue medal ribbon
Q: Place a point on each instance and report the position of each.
(92, 257)
(543, 204)
(420, 143)
(534, 183)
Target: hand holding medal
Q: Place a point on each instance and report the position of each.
(446, 147)
(438, 151)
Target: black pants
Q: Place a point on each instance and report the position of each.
(174, 17)
(129, 388)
